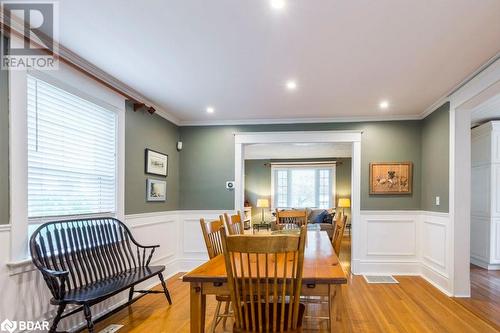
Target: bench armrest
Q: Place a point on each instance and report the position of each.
(148, 247)
(56, 281)
(58, 274)
(142, 246)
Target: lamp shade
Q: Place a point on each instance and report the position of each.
(344, 203)
(262, 203)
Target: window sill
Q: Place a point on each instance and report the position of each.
(20, 266)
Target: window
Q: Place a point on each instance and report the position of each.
(301, 186)
(71, 153)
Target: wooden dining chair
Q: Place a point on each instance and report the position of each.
(339, 233)
(264, 272)
(234, 224)
(212, 234)
(287, 219)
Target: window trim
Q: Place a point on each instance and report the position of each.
(67, 79)
(302, 165)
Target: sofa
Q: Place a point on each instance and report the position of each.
(325, 226)
(328, 220)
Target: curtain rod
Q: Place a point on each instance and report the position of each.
(304, 163)
(8, 31)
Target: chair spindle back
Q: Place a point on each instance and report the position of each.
(263, 271)
(212, 231)
(339, 233)
(291, 218)
(234, 224)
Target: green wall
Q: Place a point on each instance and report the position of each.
(258, 180)
(149, 131)
(207, 160)
(4, 147)
(435, 159)
(257, 184)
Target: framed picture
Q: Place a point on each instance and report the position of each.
(156, 190)
(391, 177)
(156, 163)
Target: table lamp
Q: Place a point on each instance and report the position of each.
(262, 203)
(344, 203)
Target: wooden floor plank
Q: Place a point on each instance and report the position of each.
(485, 295)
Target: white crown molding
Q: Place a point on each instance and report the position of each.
(86, 66)
(17, 27)
(271, 121)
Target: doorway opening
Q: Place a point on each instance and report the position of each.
(316, 171)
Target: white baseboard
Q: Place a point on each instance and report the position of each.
(386, 267)
(437, 279)
(484, 264)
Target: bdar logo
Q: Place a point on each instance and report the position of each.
(8, 326)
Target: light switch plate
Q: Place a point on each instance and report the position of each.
(438, 201)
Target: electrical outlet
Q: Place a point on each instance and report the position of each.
(438, 201)
(111, 328)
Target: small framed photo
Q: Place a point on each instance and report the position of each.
(156, 190)
(156, 163)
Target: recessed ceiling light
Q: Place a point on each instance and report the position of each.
(291, 84)
(384, 105)
(210, 109)
(278, 4)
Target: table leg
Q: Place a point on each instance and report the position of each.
(338, 319)
(198, 305)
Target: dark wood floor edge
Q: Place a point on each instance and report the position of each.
(476, 314)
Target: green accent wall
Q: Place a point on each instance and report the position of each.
(436, 159)
(4, 146)
(257, 184)
(207, 160)
(142, 131)
(258, 180)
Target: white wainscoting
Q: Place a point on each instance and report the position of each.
(182, 248)
(388, 242)
(405, 243)
(437, 250)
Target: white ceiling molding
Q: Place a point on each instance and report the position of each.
(17, 27)
(272, 121)
(102, 75)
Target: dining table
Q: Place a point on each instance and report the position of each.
(322, 276)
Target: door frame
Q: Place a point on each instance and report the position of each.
(353, 137)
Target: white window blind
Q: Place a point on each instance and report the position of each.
(303, 186)
(71, 154)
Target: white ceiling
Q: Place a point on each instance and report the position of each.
(296, 150)
(236, 55)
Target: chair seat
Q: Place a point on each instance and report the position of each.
(95, 292)
(269, 315)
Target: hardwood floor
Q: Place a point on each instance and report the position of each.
(485, 295)
(411, 306)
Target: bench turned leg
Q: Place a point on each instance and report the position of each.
(57, 318)
(165, 290)
(88, 317)
(130, 294)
